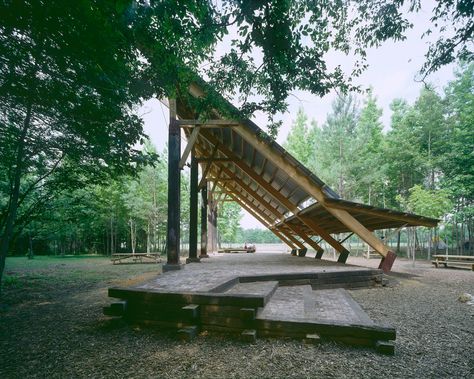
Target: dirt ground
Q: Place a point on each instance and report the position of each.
(51, 325)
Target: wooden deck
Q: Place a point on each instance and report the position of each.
(258, 295)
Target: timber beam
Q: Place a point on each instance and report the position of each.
(317, 193)
(217, 123)
(239, 182)
(262, 183)
(262, 221)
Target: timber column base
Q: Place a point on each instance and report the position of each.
(387, 262)
(203, 256)
(343, 255)
(172, 267)
(193, 260)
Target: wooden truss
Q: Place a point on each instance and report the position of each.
(245, 166)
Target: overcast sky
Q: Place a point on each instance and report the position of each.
(391, 73)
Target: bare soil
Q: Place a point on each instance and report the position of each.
(51, 325)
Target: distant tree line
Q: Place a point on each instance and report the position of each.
(424, 163)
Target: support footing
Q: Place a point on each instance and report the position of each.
(302, 252)
(319, 254)
(293, 252)
(249, 335)
(204, 256)
(172, 267)
(385, 347)
(193, 260)
(343, 256)
(188, 333)
(387, 262)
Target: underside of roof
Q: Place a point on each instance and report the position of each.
(248, 167)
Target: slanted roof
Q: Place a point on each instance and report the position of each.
(271, 184)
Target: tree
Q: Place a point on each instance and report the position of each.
(454, 21)
(335, 141)
(228, 221)
(369, 166)
(301, 140)
(65, 118)
(407, 164)
(457, 160)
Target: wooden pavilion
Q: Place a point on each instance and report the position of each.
(248, 167)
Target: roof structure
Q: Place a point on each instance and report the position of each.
(248, 167)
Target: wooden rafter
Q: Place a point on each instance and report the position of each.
(187, 150)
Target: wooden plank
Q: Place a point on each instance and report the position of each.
(207, 168)
(191, 140)
(174, 180)
(329, 329)
(193, 210)
(154, 296)
(215, 123)
(422, 221)
(312, 189)
(274, 193)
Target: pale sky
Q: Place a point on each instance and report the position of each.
(391, 73)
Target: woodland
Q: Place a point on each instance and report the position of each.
(77, 174)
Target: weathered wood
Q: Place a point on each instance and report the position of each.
(193, 211)
(422, 221)
(203, 253)
(188, 333)
(283, 238)
(348, 220)
(191, 141)
(249, 335)
(216, 123)
(206, 169)
(155, 296)
(385, 347)
(174, 180)
(328, 329)
(221, 311)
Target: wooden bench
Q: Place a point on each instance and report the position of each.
(136, 258)
(237, 250)
(454, 260)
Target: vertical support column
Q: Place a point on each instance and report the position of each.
(211, 223)
(204, 222)
(174, 185)
(193, 211)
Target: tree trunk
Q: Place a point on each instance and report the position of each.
(30, 249)
(398, 241)
(429, 243)
(148, 239)
(13, 203)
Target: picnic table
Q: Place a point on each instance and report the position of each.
(249, 249)
(136, 258)
(453, 260)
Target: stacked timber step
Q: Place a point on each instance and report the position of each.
(324, 280)
(272, 305)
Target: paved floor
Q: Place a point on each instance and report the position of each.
(301, 303)
(284, 281)
(210, 272)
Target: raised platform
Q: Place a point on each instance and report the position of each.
(258, 296)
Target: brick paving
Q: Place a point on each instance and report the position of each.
(219, 268)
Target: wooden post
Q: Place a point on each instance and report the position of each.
(174, 184)
(193, 211)
(211, 223)
(203, 253)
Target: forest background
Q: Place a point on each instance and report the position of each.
(77, 174)
(423, 163)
